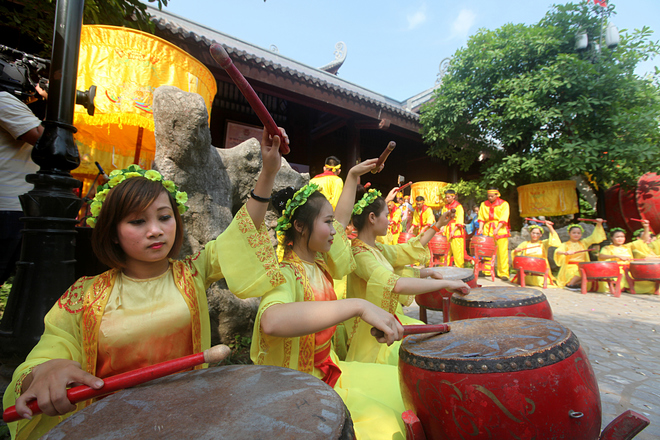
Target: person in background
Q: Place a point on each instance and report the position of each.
(494, 222)
(575, 251)
(539, 249)
(423, 217)
(329, 182)
(454, 231)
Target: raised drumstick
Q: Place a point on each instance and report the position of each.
(404, 186)
(415, 330)
(130, 379)
(220, 55)
(590, 220)
(383, 157)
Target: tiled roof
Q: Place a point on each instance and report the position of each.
(266, 59)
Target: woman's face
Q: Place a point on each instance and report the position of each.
(323, 233)
(618, 238)
(575, 234)
(536, 235)
(148, 236)
(381, 223)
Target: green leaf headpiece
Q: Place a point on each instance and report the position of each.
(298, 199)
(366, 200)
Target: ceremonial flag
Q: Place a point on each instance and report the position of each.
(602, 3)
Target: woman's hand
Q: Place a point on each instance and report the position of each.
(364, 167)
(458, 287)
(434, 274)
(391, 195)
(270, 151)
(48, 384)
(383, 321)
(599, 221)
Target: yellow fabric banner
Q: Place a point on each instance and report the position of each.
(433, 193)
(126, 66)
(548, 198)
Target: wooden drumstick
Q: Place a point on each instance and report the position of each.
(130, 379)
(404, 186)
(220, 55)
(637, 220)
(527, 248)
(535, 220)
(367, 185)
(383, 156)
(590, 220)
(415, 330)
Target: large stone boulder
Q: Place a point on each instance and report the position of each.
(218, 182)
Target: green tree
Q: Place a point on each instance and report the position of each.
(532, 108)
(35, 19)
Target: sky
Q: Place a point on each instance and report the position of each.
(394, 47)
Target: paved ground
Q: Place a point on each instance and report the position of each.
(622, 342)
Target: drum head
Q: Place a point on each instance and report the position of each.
(500, 297)
(455, 273)
(491, 345)
(232, 402)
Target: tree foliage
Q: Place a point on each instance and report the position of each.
(526, 102)
(36, 18)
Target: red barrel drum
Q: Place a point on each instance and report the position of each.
(232, 402)
(645, 270)
(530, 264)
(439, 244)
(500, 301)
(482, 246)
(501, 378)
(600, 269)
(404, 237)
(643, 202)
(433, 300)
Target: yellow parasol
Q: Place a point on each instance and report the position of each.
(548, 198)
(126, 66)
(433, 193)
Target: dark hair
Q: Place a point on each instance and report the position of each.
(377, 206)
(132, 195)
(419, 199)
(305, 214)
(574, 227)
(332, 161)
(450, 191)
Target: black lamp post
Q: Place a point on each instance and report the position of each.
(46, 266)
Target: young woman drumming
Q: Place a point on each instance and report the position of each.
(296, 320)
(569, 254)
(148, 308)
(382, 277)
(538, 248)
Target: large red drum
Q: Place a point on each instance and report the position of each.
(439, 245)
(600, 269)
(404, 237)
(433, 300)
(482, 246)
(232, 402)
(501, 378)
(530, 264)
(645, 270)
(500, 301)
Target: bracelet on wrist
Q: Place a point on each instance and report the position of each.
(259, 199)
(435, 228)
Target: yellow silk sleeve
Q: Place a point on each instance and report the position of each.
(405, 253)
(597, 236)
(560, 259)
(553, 240)
(339, 259)
(240, 250)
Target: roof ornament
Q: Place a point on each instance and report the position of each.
(274, 48)
(340, 57)
(444, 66)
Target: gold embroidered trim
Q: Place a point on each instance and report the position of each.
(390, 299)
(186, 285)
(73, 299)
(96, 297)
(260, 241)
(18, 388)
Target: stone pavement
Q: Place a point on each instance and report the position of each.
(621, 337)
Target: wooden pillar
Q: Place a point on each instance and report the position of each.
(353, 153)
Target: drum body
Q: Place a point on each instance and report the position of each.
(433, 300)
(501, 378)
(645, 271)
(600, 269)
(530, 264)
(232, 402)
(404, 237)
(439, 245)
(500, 301)
(483, 246)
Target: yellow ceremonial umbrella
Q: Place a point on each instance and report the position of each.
(548, 198)
(433, 193)
(126, 66)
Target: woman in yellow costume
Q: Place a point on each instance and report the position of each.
(296, 320)
(382, 277)
(538, 248)
(643, 247)
(569, 254)
(148, 308)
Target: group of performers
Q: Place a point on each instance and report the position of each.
(150, 308)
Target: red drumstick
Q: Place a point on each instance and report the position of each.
(584, 250)
(535, 220)
(527, 248)
(220, 55)
(383, 156)
(415, 330)
(637, 220)
(367, 185)
(404, 186)
(589, 220)
(130, 378)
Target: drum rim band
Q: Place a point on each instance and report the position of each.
(465, 301)
(552, 355)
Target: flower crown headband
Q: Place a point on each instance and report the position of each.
(615, 230)
(638, 232)
(299, 198)
(575, 226)
(118, 176)
(366, 200)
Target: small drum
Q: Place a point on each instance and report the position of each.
(530, 264)
(645, 270)
(232, 402)
(600, 269)
(404, 237)
(482, 246)
(500, 301)
(433, 300)
(501, 378)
